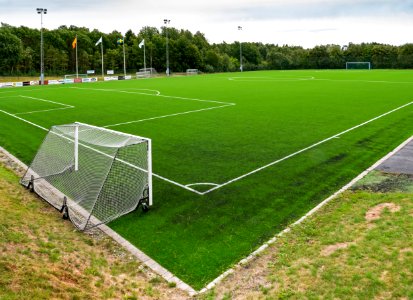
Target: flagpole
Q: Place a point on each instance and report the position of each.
(77, 69)
(144, 56)
(101, 44)
(124, 58)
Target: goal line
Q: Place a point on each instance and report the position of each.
(216, 186)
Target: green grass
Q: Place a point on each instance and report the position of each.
(44, 258)
(377, 262)
(197, 237)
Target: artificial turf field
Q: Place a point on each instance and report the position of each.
(229, 173)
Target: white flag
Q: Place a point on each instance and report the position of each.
(142, 43)
(99, 41)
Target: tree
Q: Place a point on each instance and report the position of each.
(278, 60)
(11, 50)
(405, 56)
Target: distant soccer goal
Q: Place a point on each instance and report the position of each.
(358, 65)
(93, 175)
(73, 76)
(192, 72)
(145, 73)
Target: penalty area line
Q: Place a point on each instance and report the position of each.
(153, 174)
(305, 149)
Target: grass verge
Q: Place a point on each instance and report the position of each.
(359, 246)
(43, 257)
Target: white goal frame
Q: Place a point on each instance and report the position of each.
(145, 73)
(192, 71)
(358, 63)
(71, 76)
(64, 172)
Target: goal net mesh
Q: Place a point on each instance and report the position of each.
(72, 76)
(146, 72)
(358, 65)
(192, 71)
(107, 178)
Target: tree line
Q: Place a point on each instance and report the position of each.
(20, 52)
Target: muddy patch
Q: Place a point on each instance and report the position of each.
(375, 212)
(327, 251)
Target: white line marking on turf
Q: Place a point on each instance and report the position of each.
(201, 183)
(66, 106)
(24, 120)
(305, 149)
(162, 96)
(226, 104)
(264, 246)
(261, 79)
(50, 101)
(253, 171)
(366, 81)
(153, 174)
(167, 116)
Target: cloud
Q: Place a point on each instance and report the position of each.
(315, 9)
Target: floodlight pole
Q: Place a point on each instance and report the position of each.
(41, 11)
(166, 22)
(240, 51)
(124, 57)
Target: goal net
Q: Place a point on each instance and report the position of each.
(192, 72)
(73, 76)
(93, 175)
(145, 73)
(364, 65)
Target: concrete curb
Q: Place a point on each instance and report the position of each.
(264, 246)
(169, 277)
(141, 256)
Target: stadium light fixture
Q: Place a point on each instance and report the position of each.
(240, 51)
(41, 12)
(166, 22)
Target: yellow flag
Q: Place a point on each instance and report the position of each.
(74, 43)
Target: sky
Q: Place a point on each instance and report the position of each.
(304, 23)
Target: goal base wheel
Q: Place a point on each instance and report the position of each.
(145, 207)
(65, 214)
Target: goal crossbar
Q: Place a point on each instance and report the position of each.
(358, 65)
(104, 173)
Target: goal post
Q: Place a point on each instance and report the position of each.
(192, 72)
(358, 65)
(93, 174)
(73, 76)
(146, 72)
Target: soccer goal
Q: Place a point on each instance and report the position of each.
(73, 76)
(192, 72)
(359, 65)
(93, 175)
(145, 73)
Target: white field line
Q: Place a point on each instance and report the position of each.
(44, 100)
(44, 110)
(263, 79)
(156, 95)
(153, 174)
(305, 149)
(167, 116)
(218, 186)
(24, 120)
(66, 106)
(225, 104)
(145, 259)
(264, 246)
(201, 183)
(364, 81)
